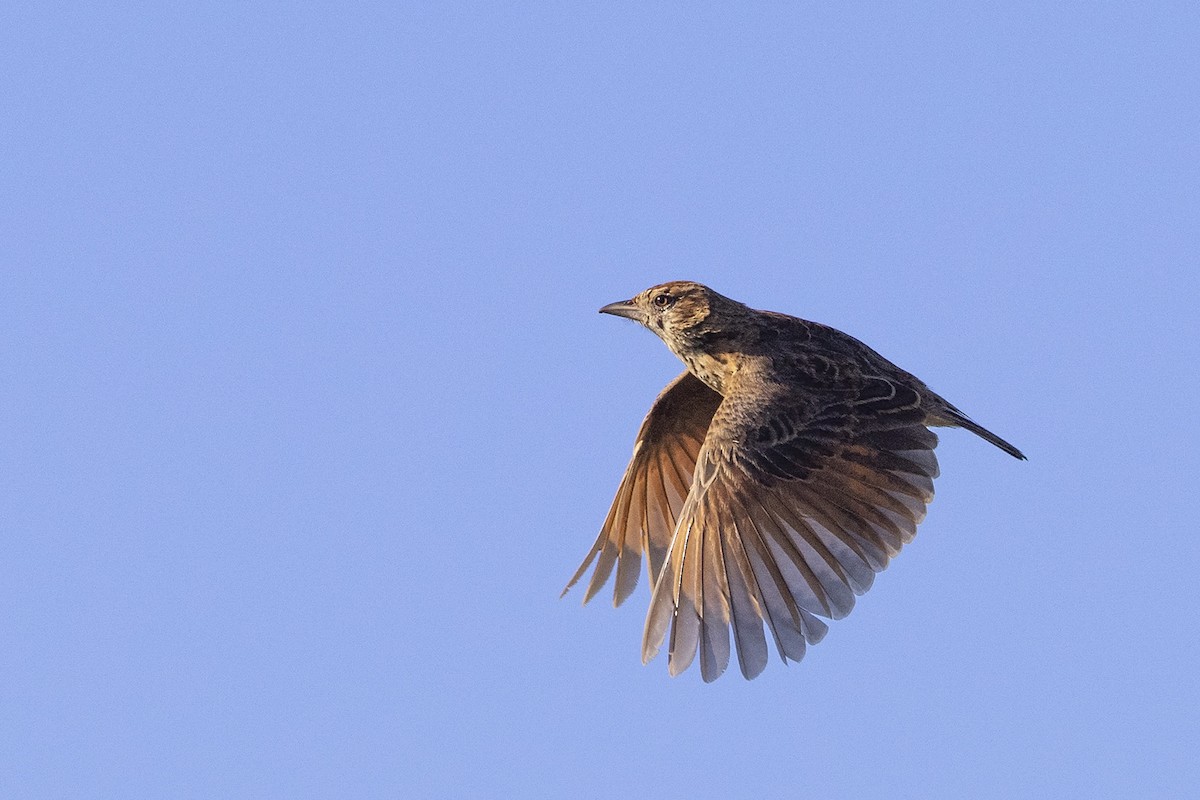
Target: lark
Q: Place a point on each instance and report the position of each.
(769, 482)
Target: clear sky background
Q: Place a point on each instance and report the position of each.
(307, 414)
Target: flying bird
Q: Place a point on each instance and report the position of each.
(769, 482)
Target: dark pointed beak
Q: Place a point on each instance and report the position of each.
(625, 308)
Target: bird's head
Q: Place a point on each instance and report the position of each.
(696, 323)
(674, 310)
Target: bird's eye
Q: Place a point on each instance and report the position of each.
(663, 300)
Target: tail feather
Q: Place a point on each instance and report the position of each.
(956, 418)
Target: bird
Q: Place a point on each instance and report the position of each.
(769, 482)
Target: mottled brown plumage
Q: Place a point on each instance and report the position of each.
(769, 482)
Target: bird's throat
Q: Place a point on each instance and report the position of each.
(716, 370)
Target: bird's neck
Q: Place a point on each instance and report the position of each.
(715, 369)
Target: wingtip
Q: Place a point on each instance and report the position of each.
(622, 591)
(752, 669)
(587, 596)
(593, 589)
(648, 654)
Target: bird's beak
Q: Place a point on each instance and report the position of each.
(625, 308)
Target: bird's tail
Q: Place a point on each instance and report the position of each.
(952, 416)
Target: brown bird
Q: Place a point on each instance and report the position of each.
(769, 482)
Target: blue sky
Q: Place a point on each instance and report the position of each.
(308, 413)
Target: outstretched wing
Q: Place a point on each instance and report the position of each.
(643, 514)
(796, 502)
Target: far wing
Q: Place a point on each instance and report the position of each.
(643, 514)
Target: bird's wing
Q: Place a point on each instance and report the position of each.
(796, 502)
(643, 514)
